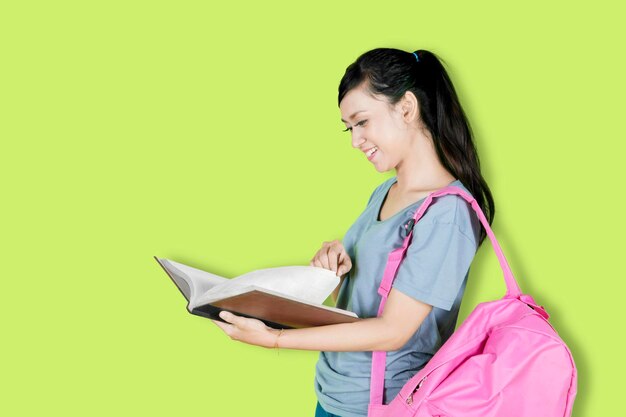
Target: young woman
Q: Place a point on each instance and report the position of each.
(403, 114)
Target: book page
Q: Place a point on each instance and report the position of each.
(308, 283)
(199, 281)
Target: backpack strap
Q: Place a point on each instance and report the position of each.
(377, 380)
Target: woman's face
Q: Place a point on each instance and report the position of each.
(375, 126)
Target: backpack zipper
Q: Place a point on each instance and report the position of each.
(409, 399)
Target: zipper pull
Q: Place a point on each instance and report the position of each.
(409, 399)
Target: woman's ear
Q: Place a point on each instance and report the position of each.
(409, 107)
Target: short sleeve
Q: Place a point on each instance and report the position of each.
(435, 264)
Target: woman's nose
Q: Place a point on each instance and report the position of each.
(357, 140)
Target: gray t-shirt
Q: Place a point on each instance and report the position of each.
(434, 271)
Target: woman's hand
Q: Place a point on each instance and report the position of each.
(243, 329)
(333, 256)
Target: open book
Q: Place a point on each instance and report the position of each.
(284, 297)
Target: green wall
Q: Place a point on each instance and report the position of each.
(209, 134)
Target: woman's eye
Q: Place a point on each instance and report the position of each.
(361, 123)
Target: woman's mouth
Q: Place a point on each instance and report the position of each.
(371, 152)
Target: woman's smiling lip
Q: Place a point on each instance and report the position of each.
(369, 149)
(370, 157)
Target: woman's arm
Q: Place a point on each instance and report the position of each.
(400, 320)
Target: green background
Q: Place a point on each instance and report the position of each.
(209, 134)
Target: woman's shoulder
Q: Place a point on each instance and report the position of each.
(385, 184)
(452, 209)
(381, 188)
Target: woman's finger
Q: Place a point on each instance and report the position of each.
(323, 258)
(345, 264)
(346, 260)
(333, 259)
(329, 256)
(233, 319)
(224, 326)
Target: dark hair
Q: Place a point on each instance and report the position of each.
(391, 73)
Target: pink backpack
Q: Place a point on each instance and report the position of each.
(505, 360)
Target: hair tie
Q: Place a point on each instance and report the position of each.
(416, 57)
